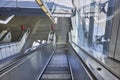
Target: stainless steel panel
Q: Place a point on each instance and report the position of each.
(30, 66)
(114, 30)
(117, 51)
(99, 70)
(113, 37)
(78, 71)
(6, 77)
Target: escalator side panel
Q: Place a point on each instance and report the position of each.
(77, 69)
(29, 67)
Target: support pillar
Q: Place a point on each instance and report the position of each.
(91, 24)
(108, 25)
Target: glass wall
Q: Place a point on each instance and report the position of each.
(93, 23)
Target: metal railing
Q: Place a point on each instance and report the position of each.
(12, 48)
(88, 72)
(24, 60)
(4, 35)
(97, 62)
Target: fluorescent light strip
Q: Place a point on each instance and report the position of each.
(44, 8)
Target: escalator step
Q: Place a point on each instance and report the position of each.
(57, 69)
(57, 72)
(56, 77)
(63, 65)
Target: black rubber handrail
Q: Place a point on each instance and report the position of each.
(107, 68)
(19, 38)
(70, 68)
(45, 67)
(91, 75)
(4, 35)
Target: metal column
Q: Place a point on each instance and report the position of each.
(84, 20)
(108, 24)
(91, 24)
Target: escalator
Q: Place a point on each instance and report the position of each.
(5, 36)
(46, 62)
(58, 68)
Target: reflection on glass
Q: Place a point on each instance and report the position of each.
(97, 11)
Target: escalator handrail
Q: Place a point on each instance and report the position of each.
(4, 35)
(69, 64)
(106, 67)
(19, 38)
(88, 71)
(14, 43)
(11, 64)
(45, 67)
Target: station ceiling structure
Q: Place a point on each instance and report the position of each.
(30, 7)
